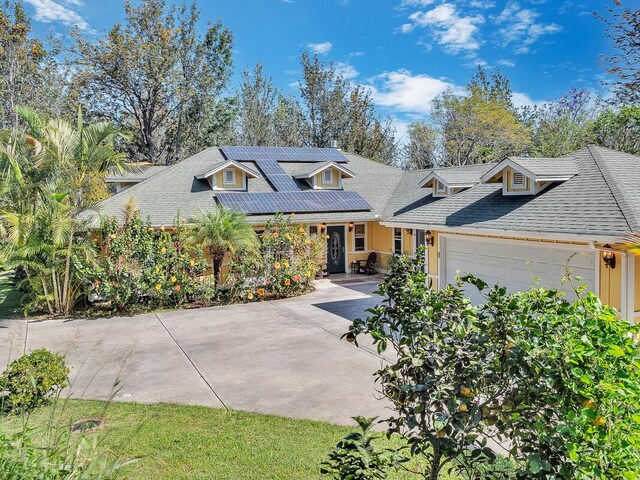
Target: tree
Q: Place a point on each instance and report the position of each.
(155, 74)
(419, 152)
(623, 28)
(559, 379)
(618, 129)
(223, 232)
(256, 109)
(336, 110)
(49, 177)
(563, 126)
(481, 126)
(27, 68)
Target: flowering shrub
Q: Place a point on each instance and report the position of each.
(289, 259)
(140, 264)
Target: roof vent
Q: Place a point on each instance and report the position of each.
(334, 143)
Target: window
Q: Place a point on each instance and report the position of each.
(419, 236)
(397, 240)
(229, 176)
(440, 189)
(327, 176)
(359, 235)
(313, 230)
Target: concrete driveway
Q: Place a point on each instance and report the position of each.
(282, 357)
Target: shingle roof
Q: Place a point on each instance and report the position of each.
(465, 175)
(160, 197)
(584, 204)
(136, 176)
(601, 199)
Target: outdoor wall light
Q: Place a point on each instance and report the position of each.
(409, 231)
(609, 258)
(323, 228)
(428, 238)
(351, 226)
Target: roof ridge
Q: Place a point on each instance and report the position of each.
(618, 195)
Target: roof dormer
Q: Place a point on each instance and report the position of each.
(529, 176)
(444, 183)
(326, 176)
(229, 175)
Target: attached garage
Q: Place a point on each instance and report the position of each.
(516, 264)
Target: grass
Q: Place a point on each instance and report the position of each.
(9, 296)
(190, 442)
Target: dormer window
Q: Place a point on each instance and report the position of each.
(530, 176)
(440, 189)
(323, 176)
(229, 177)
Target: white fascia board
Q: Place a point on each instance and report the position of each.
(250, 173)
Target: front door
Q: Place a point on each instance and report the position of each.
(335, 250)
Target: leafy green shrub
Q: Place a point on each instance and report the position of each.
(355, 457)
(32, 378)
(288, 261)
(139, 264)
(558, 380)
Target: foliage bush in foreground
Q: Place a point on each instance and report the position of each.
(556, 381)
(31, 379)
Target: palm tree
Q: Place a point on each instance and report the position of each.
(220, 232)
(48, 176)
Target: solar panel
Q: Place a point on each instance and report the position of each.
(284, 154)
(293, 202)
(280, 179)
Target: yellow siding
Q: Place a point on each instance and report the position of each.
(336, 179)
(637, 283)
(239, 179)
(611, 283)
(407, 242)
(379, 240)
(432, 255)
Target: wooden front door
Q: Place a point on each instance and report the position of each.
(336, 249)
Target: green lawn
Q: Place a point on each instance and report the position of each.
(9, 297)
(180, 442)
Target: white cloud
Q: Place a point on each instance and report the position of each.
(521, 27)
(320, 48)
(404, 92)
(49, 11)
(454, 32)
(347, 71)
(520, 99)
(506, 63)
(416, 3)
(482, 3)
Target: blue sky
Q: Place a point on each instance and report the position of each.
(407, 51)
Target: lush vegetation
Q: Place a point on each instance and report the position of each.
(141, 267)
(558, 380)
(9, 296)
(180, 441)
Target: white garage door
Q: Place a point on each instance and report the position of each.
(517, 265)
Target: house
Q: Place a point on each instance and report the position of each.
(515, 222)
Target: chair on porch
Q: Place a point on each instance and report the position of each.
(369, 264)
